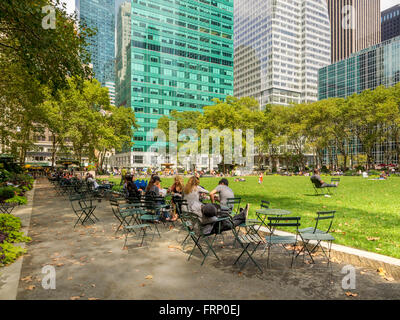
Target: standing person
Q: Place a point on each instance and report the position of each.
(191, 193)
(176, 190)
(260, 178)
(223, 191)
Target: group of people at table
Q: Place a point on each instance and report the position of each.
(192, 192)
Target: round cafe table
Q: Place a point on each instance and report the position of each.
(262, 215)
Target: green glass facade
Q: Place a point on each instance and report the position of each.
(366, 69)
(180, 58)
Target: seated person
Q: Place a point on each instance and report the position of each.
(92, 181)
(224, 193)
(131, 188)
(191, 193)
(209, 217)
(176, 191)
(322, 184)
(383, 175)
(154, 189)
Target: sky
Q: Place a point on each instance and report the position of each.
(384, 4)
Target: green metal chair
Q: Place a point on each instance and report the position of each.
(83, 209)
(138, 228)
(7, 207)
(123, 212)
(234, 203)
(318, 234)
(197, 235)
(150, 213)
(319, 189)
(245, 241)
(273, 239)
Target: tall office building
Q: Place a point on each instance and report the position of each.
(366, 69)
(100, 15)
(355, 25)
(180, 58)
(279, 47)
(390, 20)
(123, 44)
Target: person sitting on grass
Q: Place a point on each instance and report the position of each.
(383, 175)
(323, 184)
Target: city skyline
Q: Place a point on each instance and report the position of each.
(385, 4)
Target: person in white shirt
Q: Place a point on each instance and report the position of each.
(191, 193)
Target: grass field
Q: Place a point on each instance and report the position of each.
(368, 212)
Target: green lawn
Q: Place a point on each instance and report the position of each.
(365, 208)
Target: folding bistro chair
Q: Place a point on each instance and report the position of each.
(245, 241)
(273, 239)
(262, 220)
(318, 235)
(150, 213)
(122, 213)
(197, 235)
(335, 180)
(188, 227)
(318, 187)
(249, 224)
(82, 208)
(234, 203)
(7, 207)
(138, 228)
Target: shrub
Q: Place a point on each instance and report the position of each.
(324, 169)
(7, 192)
(9, 234)
(5, 175)
(117, 188)
(11, 225)
(9, 253)
(374, 173)
(350, 173)
(18, 200)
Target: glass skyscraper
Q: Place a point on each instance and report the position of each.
(100, 15)
(180, 58)
(390, 20)
(366, 69)
(279, 47)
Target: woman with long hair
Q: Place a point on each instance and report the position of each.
(176, 190)
(192, 191)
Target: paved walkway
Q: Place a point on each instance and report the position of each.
(91, 264)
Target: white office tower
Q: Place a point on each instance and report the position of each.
(123, 47)
(279, 47)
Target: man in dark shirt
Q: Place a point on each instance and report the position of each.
(316, 177)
